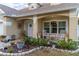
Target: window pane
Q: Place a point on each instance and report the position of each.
(46, 30)
(9, 23)
(54, 30)
(46, 25)
(54, 27)
(62, 24)
(54, 24)
(62, 30)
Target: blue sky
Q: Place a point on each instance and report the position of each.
(17, 6)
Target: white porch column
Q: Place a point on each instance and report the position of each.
(5, 20)
(35, 26)
(73, 19)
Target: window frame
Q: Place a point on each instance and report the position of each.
(46, 27)
(61, 27)
(50, 32)
(53, 27)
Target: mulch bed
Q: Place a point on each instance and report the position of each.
(16, 50)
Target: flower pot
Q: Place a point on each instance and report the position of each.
(20, 45)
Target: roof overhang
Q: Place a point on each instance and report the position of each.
(55, 8)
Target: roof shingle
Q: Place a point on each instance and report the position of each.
(41, 10)
(8, 10)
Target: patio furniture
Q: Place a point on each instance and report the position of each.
(7, 39)
(13, 37)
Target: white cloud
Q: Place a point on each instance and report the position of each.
(17, 6)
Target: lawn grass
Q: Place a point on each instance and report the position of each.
(52, 52)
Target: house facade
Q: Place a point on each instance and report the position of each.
(43, 20)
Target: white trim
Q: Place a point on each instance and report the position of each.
(1, 28)
(77, 23)
(57, 27)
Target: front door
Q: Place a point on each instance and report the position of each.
(30, 29)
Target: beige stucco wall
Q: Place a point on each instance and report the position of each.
(73, 24)
(68, 15)
(12, 28)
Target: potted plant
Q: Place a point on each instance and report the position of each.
(20, 44)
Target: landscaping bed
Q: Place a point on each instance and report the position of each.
(14, 49)
(27, 45)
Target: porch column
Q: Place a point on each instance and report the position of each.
(4, 25)
(73, 18)
(35, 26)
(10, 26)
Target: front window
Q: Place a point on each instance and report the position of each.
(62, 27)
(55, 27)
(46, 27)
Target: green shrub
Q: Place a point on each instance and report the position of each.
(38, 42)
(10, 50)
(27, 39)
(61, 44)
(43, 42)
(70, 44)
(35, 41)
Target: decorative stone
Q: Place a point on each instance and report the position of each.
(14, 54)
(20, 53)
(53, 46)
(1, 52)
(37, 48)
(4, 54)
(45, 47)
(8, 54)
(42, 46)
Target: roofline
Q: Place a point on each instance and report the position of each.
(57, 8)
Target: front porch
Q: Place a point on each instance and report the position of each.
(46, 27)
(54, 25)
